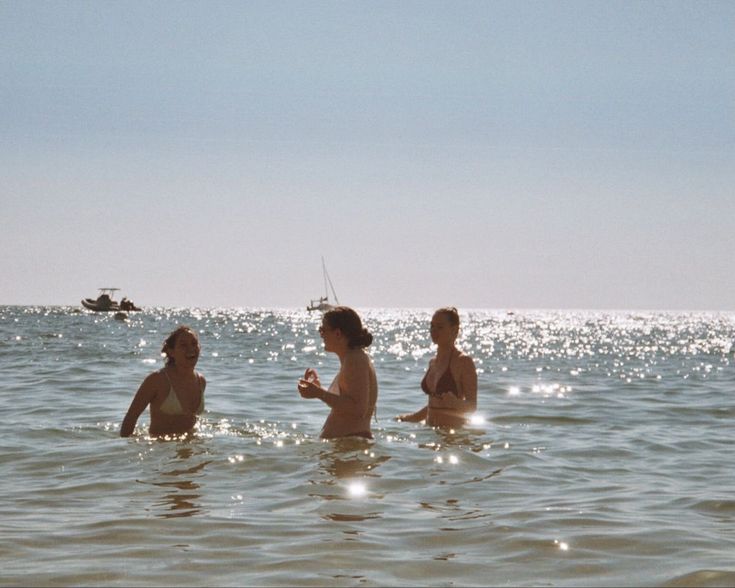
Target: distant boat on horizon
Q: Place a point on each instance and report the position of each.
(324, 304)
(106, 303)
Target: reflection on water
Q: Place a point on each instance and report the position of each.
(348, 465)
(342, 465)
(182, 497)
(461, 438)
(178, 503)
(351, 518)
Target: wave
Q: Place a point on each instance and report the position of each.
(704, 578)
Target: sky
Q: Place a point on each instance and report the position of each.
(482, 154)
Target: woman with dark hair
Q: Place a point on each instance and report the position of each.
(174, 393)
(451, 379)
(354, 392)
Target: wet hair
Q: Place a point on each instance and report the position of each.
(170, 341)
(451, 313)
(347, 320)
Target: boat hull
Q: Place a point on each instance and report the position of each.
(323, 307)
(91, 304)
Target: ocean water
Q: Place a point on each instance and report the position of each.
(603, 455)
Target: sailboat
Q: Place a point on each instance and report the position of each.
(323, 304)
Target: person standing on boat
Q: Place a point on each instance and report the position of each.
(175, 393)
(451, 379)
(353, 394)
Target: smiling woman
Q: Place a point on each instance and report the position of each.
(175, 393)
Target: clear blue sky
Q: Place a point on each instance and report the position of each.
(483, 154)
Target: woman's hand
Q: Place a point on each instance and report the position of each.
(413, 417)
(309, 389)
(309, 386)
(449, 400)
(310, 375)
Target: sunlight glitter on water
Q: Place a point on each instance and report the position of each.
(621, 462)
(357, 489)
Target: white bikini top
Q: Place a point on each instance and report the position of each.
(334, 386)
(171, 404)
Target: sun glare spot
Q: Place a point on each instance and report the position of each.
(514, 391)
(357, 489)
(477, 419)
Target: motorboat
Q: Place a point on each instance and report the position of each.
(323, 304)
(105, 302)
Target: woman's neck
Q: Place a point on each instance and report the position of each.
(182, 372)
(444, 351)
(342, 353)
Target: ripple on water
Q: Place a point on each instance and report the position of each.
(703, 578)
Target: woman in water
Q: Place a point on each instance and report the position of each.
(354, 392)
(451, 380)
(174, 393)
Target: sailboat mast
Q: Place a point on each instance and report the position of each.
(336, 301)
(324, 274)
(328, 280)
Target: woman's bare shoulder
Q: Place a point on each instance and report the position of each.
(465, 360)
(357, 358)
(156, 380)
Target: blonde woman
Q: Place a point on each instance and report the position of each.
(450, 381)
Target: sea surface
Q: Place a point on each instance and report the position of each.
(603, 454)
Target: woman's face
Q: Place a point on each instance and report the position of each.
(186, 350)
(443, 332)
(329, 335)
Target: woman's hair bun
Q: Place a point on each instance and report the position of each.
(366, 338)
(348, 321)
